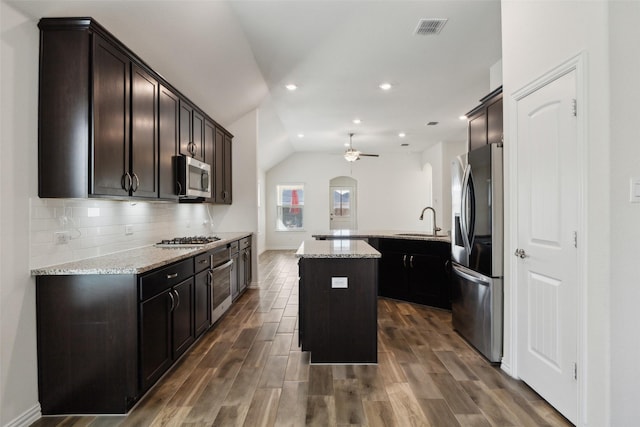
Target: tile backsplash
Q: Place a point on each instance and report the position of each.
(64, 230)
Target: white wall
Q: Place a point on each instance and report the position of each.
(440, 157)
(19, 112)
(625, 234)
(529, 50)
(392, 191)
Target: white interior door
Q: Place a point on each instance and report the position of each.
(342, 204)
(547, 266)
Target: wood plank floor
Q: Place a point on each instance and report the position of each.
(249, 371)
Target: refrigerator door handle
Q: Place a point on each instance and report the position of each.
(471, 275)
(463, 209)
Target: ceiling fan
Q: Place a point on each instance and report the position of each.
(351, 155)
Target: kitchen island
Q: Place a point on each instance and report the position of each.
(415, 266)
(338, 301)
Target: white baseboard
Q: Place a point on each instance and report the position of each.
(27, 418)
(506, 368)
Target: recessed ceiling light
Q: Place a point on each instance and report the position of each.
(291, 87)
(346, 144)
(357, 121)
(301, 135)
(385, 86)
(463, 117)
(402, 134)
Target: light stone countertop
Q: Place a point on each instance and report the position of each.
(134, 261)
(385, 234)
(336, 248)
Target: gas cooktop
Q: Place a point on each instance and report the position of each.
(187, 242)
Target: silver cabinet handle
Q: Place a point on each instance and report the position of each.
(172, 275)
(173, 301)
(411, 261)
(404, 261)
(520, 253)
(126, 182)
(178, 297)
(202, 261)
(137, 180)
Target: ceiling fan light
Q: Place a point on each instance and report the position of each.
(351, 155)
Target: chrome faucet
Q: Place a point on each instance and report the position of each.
(435, 228)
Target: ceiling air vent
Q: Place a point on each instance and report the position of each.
(432, 123)
(428, 27)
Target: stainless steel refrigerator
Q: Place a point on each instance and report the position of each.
(477, 249)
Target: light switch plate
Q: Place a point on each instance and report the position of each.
(635, 190)
(339, 282)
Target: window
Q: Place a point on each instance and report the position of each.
(290, 204)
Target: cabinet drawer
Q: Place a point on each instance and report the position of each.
(245, 243)
(233, 246)
(159, 280)
(202, 262)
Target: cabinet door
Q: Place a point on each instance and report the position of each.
(235, 275)
(155, 338)
(209, 155)
(202, 302)
(247, 268)
(183, 330)
(392, 278)
(186, 129)
(478, 130)
(218, 182)
(494, 122)
(111, 74)
(426, 280)
(242, 270)
(169, 115)
(144, 127)
(198, 136)
(227, 170)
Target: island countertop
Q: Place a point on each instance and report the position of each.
(336, 248)
(134, 261)
(381, 234)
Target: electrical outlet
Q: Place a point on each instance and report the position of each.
(61, 237)
(128, 230)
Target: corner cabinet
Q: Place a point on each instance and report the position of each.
(485, 121)
(110, 126)
(415, 271)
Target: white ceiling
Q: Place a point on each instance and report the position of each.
(231, 57)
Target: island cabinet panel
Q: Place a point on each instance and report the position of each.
(338, 324)
(87, 343)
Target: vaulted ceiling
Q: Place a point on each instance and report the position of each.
(231, 57)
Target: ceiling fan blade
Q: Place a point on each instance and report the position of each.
(370, 155)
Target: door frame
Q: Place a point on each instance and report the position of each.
(510, 362)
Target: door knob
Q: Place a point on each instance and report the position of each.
(520, 253)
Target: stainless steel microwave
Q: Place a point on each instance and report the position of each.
(194, 177)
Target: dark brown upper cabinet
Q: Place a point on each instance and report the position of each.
(191, 131)
(169, 113)
(485, 121)
(108, 125)
(222, 167)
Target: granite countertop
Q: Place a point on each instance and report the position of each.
(388, 234)
(134, 261)
(336, 248)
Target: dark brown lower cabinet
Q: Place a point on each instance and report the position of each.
(202, 302)
(416, 271)
(87, 344)
(339, 325)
